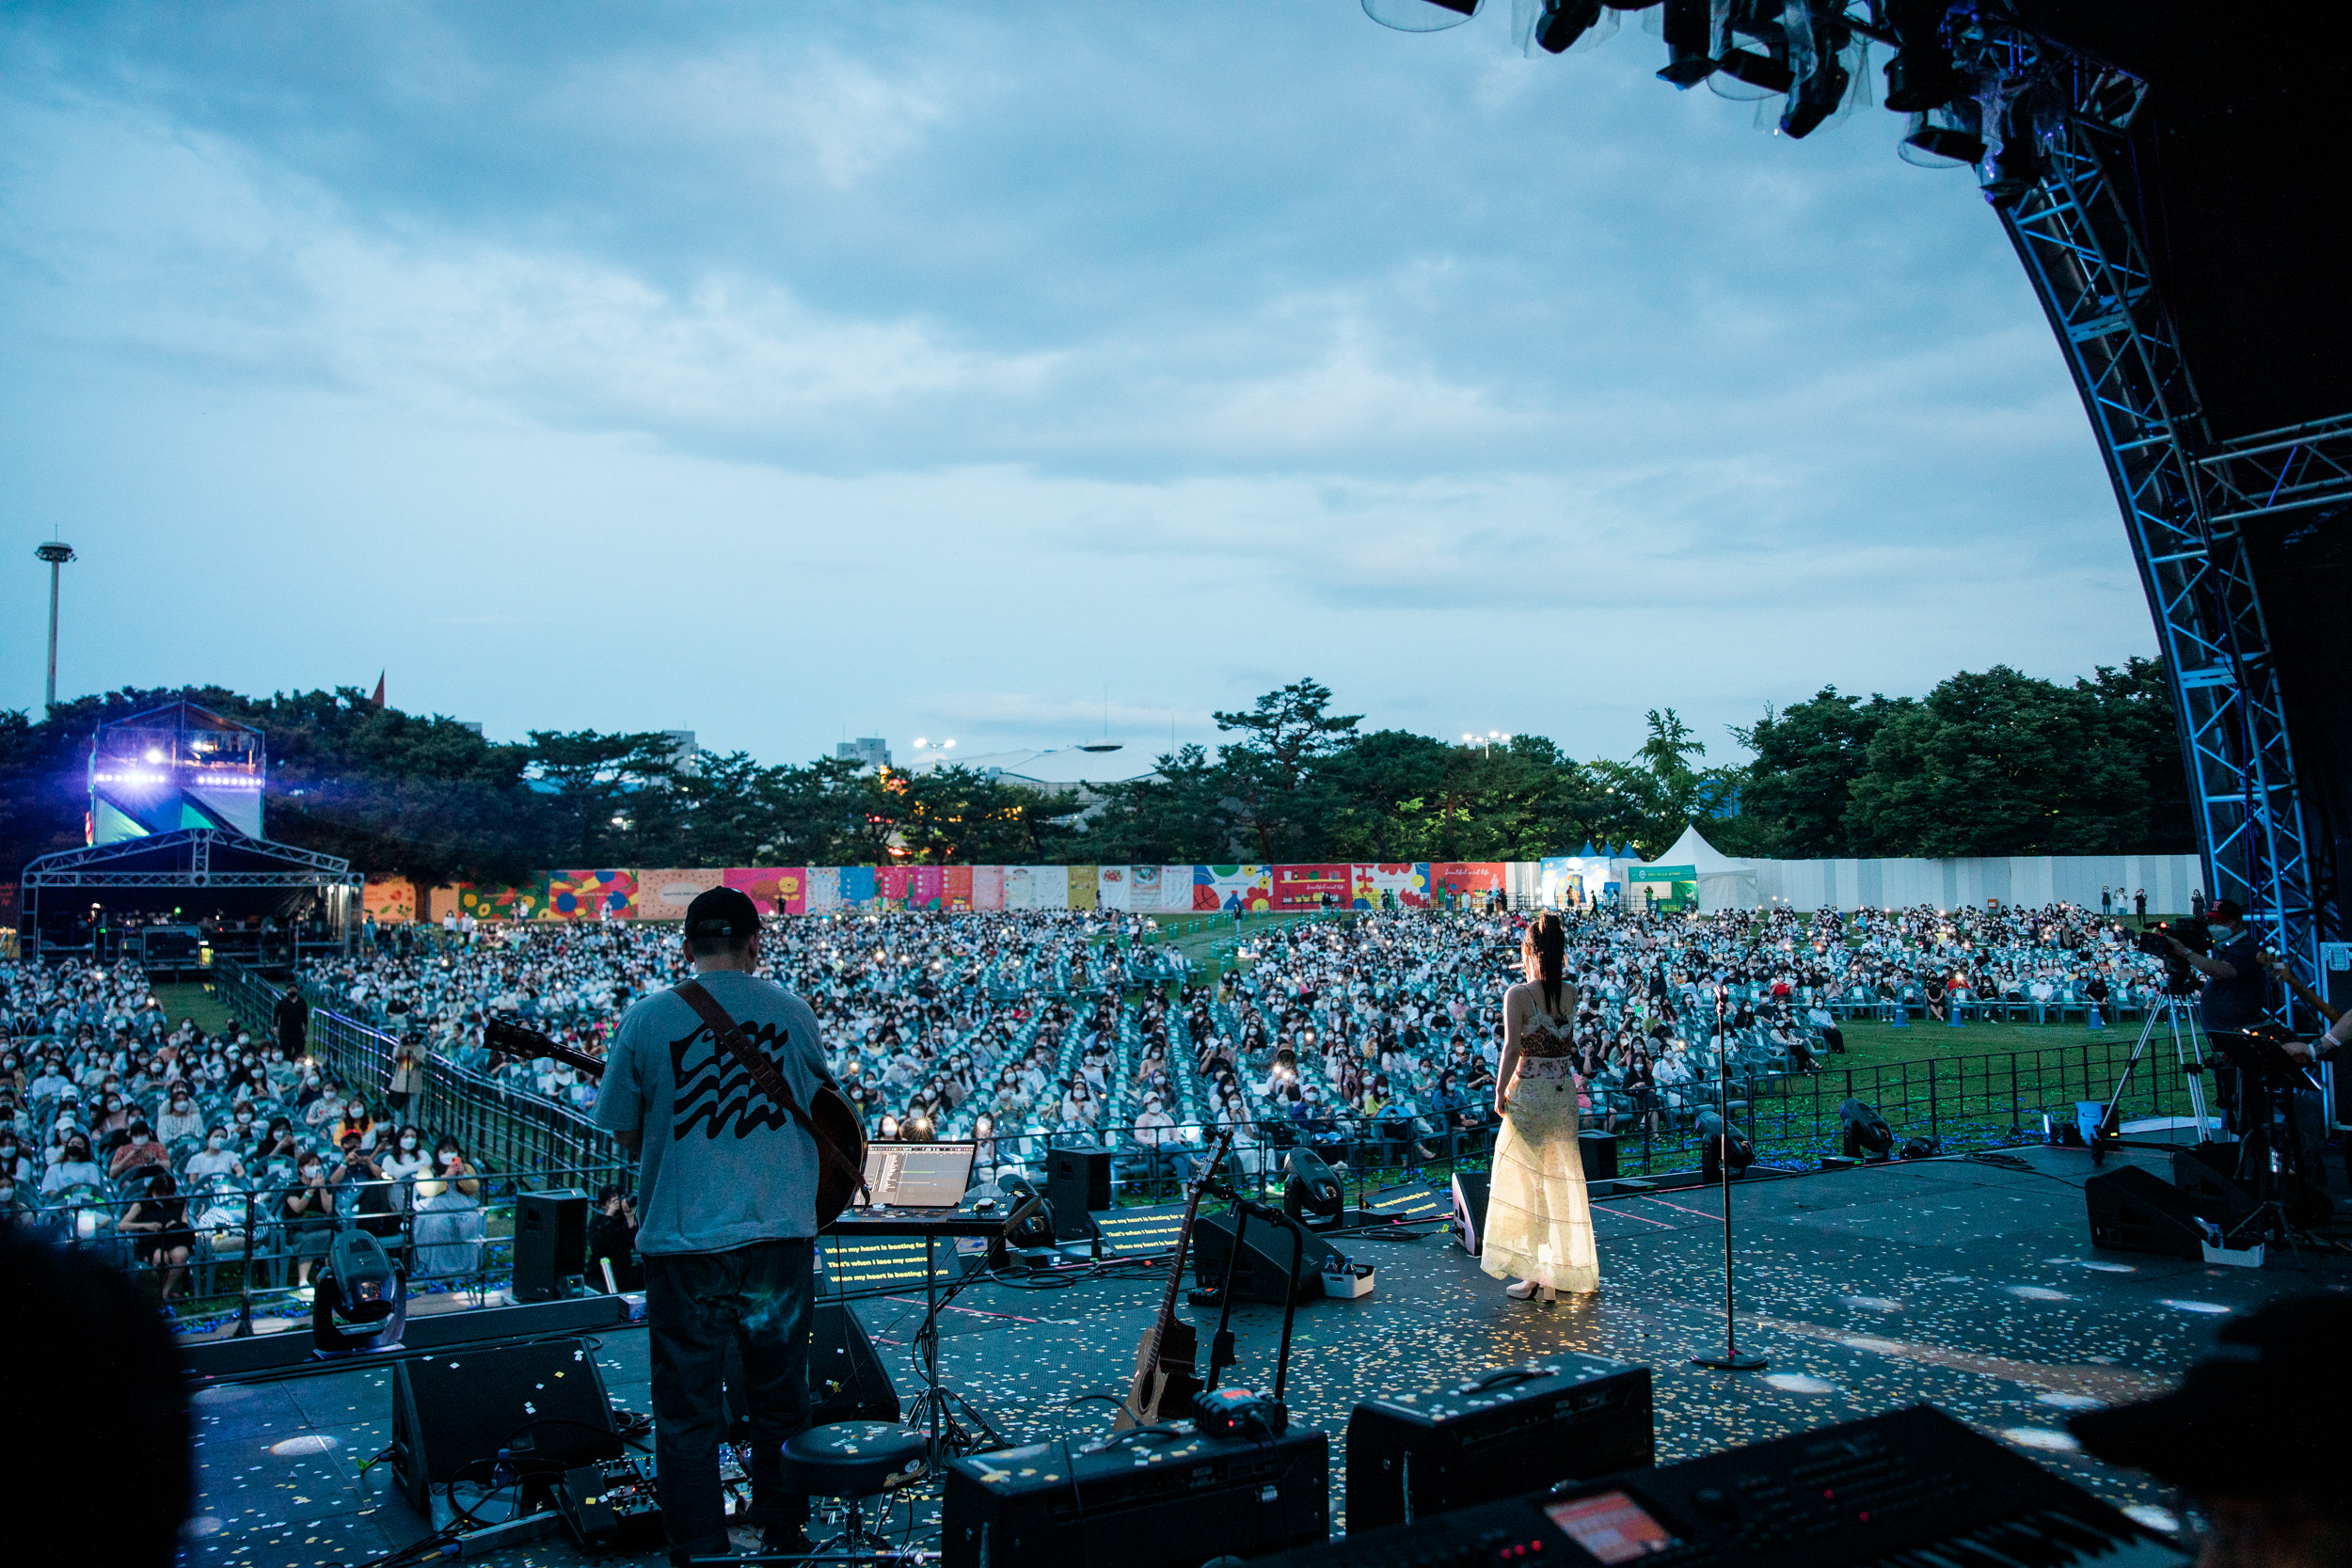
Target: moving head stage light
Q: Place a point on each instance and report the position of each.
(360, 1303)
(1722, 1148)
(1867, 1132)
(1313, 1194)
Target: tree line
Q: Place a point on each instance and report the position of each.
(1995, 763)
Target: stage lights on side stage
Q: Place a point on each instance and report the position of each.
(360, 1302)
(1313, 1194)
(1722, 1148)
(1866, 1131)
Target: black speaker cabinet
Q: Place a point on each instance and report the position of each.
(550, 1243)
(1598, 1150)
(2133, 1210)
(454, 1410)
(2207, 1176)
(1470, 1210)
(1265, 1258)
(1513, 1430)
(847, 1381)
(1199, 1499)
(1077, 1183)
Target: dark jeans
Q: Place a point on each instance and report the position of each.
(759, 1296)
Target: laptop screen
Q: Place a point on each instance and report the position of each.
(918, 1175)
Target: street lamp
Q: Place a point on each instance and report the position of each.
(56, 555)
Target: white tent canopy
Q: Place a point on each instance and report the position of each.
(1724, 883)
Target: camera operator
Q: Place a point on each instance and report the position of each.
(2236, 985)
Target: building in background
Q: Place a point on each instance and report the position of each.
(869, 751)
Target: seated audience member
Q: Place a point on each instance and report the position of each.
(214, 1159)
(141, 1151)
(157, 1224)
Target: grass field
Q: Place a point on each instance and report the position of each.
(197, 1002)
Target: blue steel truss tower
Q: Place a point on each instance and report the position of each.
(2187, 500)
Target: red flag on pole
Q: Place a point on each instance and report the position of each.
(379, 688)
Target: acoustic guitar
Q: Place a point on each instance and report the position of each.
(1166, 1381)
(832, 1120)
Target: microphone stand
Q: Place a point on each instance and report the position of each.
(1221, 1345)
(1733, 1359)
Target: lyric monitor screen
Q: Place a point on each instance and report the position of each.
(918, 1175)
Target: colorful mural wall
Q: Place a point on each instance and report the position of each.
(664, 892)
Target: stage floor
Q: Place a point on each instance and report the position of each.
(1968, 1282)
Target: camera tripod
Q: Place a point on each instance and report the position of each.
(2175, 1014)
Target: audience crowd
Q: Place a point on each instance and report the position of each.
(1371, 1040)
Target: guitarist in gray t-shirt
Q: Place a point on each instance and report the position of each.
(727, 1213)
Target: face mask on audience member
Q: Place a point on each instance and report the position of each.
(354, 1110)
(215, 1142)
(77, 1152)
(407, 1146)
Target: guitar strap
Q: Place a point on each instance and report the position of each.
(763, 1072)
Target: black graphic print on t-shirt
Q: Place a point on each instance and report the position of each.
(718, 1089)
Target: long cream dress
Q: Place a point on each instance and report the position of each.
(1539, 1222)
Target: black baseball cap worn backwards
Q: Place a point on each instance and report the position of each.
(722, 912)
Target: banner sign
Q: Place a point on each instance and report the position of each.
(1232, 887)
(955, 886)
(1113, 887)
(1406, 886)
(1466, 877)
(987, 887)
(592, 895)
(1313, 887)
(1677, 885)
(663, 894)
(390, 900)
(780, 889)
(490, 901)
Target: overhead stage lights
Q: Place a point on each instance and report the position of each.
(1561, 23)
(1940, 140)
(1823, 88)
(1770, 71)
(1920, 76)
(1422, 16)
(1688, 27)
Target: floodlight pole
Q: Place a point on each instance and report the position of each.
(1733, 1359)
(56, 555)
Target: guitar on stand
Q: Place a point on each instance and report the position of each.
(1166, 1381)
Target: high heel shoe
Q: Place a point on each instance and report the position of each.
(1523, 1290)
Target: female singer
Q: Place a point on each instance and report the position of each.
(1539, 1224)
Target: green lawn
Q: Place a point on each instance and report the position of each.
(197, 1002)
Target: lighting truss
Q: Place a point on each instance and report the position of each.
(193, 848)
(2186, 498)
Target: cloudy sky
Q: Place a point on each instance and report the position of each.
(791, 372)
